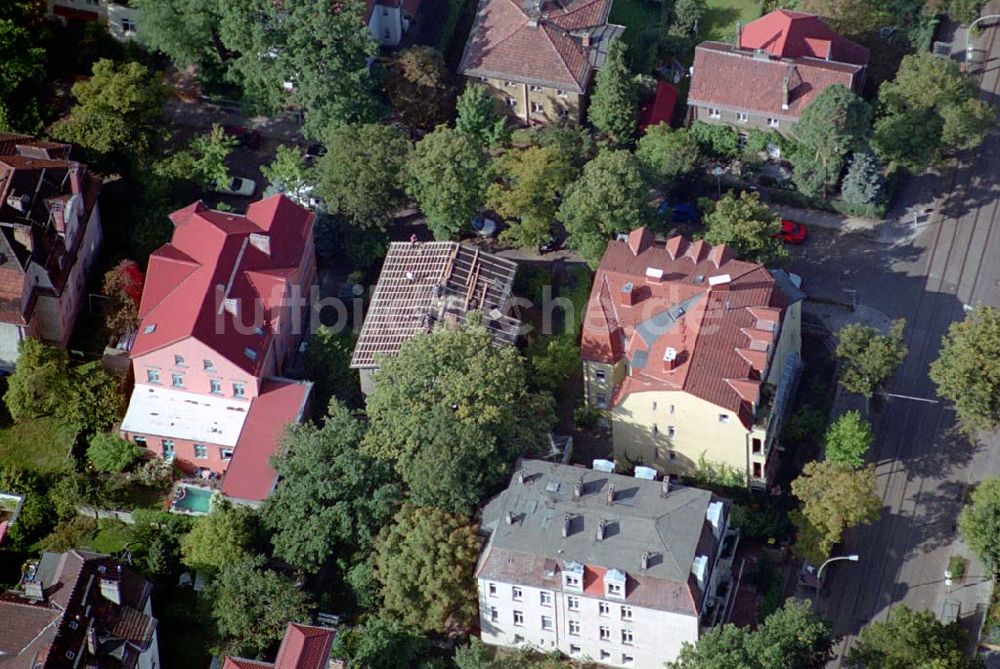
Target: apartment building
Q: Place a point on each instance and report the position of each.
(691, 354)
(424, 285)
(78, 609)
(224, 306)
(50, 236)
(538, 58)
(120, 19)
(603, 567)
(776, 67)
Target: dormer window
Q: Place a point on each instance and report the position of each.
(614, 590)
(573, 576)
(614, 584)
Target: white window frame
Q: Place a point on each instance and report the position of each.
(176, 380)
(574, 627)
(603, 609)
(742, 117)
(537, 107)
(573, 603)
(626, 613)
(547, 623)
(604, 633)
(723, 418)
(773, 123)
(491, 588)
(516, 593)
(627, 637)
(535, 88)
(153, 376)
(545, 598)
(714, 113)
(201, 451)
(518, 618)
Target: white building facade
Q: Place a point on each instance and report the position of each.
(542, 583)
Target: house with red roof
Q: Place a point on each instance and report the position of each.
(303, 647)
(224, 306)
(692, 354)
(50, 236)
(78, 609)
(776, 67)
(538, 57)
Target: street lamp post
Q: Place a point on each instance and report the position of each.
(968, 38)
(819, 572)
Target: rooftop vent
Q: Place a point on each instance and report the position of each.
(714, 517)
(606, 466)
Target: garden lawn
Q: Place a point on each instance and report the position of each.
(110, 538)
(40, 444)
(719, 22)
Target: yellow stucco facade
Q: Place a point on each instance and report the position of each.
(531, 103)
(673, 430)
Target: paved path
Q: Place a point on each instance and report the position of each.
(940, 250)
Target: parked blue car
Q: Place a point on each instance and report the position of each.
(682, 212)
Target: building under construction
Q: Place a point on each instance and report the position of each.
(427, 284)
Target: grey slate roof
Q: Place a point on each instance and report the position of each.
(670, 528)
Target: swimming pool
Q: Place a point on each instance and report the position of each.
(196, 500)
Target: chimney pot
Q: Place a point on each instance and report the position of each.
(785, 92)
(645, 560)
(600, 529)
(665, 486)
(509, 517)
(586, 40)
(611, 494)
(578, 488)
(565, 528)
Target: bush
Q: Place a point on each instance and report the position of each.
(69, 533)
(111, 454)
(760, 522)
(721, 141)
(585, 417)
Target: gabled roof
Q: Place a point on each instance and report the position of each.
(303, 647)
(789, 34)
(214, 257)
(735, 79)
(425, 284)
(80, 590)
(698, 320)
(551, 43)
(541, 499)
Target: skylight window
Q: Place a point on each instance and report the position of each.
(250, 353)
(149, 329)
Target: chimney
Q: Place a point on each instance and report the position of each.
(261, 242)
(566, 521)
(520, 476)
(611, 494)
(76, 177)
(578, 488)
(600, 529)
(92, 639)
(645, 560)
(665, 486)
(669, 359)
(509, 517)
(739, 34)
(23, 236)
(785, 92)
(628, 294)
(585, 40)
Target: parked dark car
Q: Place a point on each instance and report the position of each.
(682, 212)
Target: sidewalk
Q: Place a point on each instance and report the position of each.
(824, 219)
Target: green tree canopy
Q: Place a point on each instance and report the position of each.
(863, 188)
(221, 537)
(118, 113)
(328, 366)
(480, 117)
(203, 162)
(329, 496)
(666, 154)
(610, 197)
(186, 31)
(420, 87)
(835, 123)
(303, 54)
(448, 177)
(361, 176)
(252, 606)
(530, 181)
(967, 370)
(552, 359)
(980, 523)
(380, 643)
(425, 562)
(850, 17)
(110, 453)
(37, 513)
(122, 286)
(93, 400)
(686, 16)
(40, 381)
(835, 497)
(748, 226)
(452, 412)
(22, 65)
(909, 639)
(929, 109)
(792, 636)
(289, 173)
(868, 356)
(613, 106)
(848, 439)
(574, 142)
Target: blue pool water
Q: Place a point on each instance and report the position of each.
(197, 500)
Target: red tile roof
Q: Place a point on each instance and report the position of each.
(788, 34)
(511, 41)
(250, 476)
(719, 333)
(733, 79)
(659, 108)
(212, 257)
(304, 647)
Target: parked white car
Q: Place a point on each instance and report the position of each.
(237, 186)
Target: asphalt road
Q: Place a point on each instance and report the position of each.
(941, 251)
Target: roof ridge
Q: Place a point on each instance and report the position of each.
(562, 59)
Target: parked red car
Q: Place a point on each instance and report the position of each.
(247, 138)
(792, 232)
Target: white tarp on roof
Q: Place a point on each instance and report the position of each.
(178, 414)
